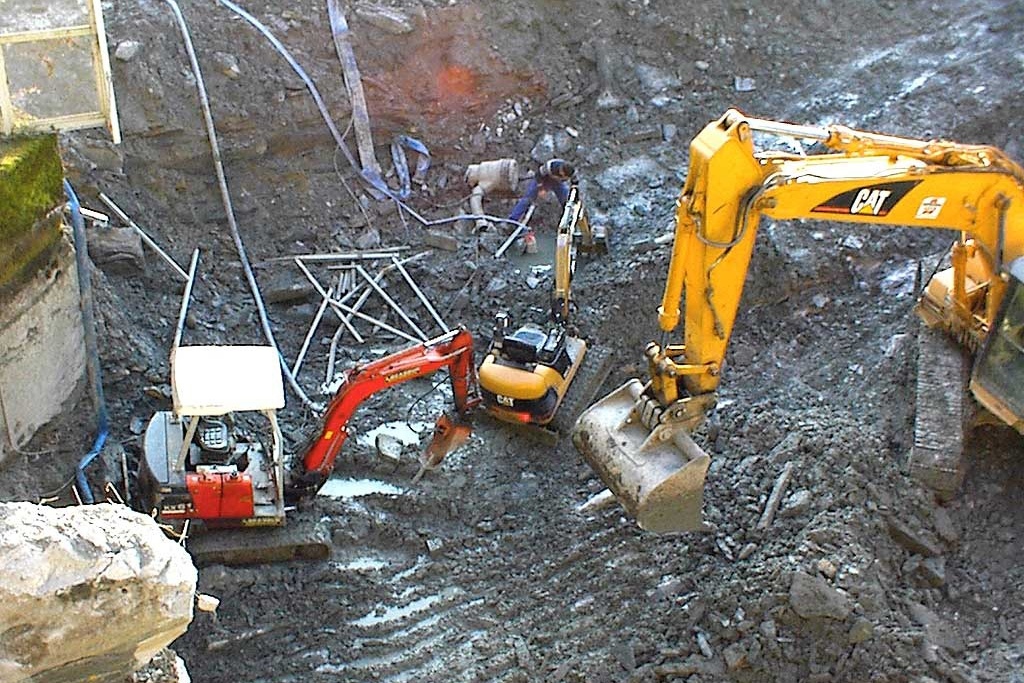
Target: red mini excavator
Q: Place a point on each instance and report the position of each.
(210, 461)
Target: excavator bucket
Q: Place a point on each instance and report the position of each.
(449, 434)
(658, 476)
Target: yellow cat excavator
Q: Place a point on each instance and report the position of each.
(638, 437)
(536, 376)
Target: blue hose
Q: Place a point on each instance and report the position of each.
(91, 347)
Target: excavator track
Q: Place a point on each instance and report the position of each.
(304, 537)
(585, 386)
(937, 455)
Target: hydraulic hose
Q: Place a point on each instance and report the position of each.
(91, 347)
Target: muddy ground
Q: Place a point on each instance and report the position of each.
(485, 570)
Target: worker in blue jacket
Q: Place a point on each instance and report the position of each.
(553, 176)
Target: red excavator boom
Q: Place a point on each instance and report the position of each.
(453, 351)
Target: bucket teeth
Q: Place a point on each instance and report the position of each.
(657, 477)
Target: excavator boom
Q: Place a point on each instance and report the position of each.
(453, 350)
(637, 438)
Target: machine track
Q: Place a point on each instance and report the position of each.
(937, 455)
(589, 378)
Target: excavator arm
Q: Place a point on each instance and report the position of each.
(868, 178)
(452, 351)
(637, 438)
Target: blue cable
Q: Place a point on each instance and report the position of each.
(91, 347)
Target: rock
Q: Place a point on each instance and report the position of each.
(387, 19)
(227, 64)
(286, 288)
(434, 546)
(702, 65)
(543, 149)
(368, 240)
(704, 645)
(126, 50)
(812, 596)
(117, 250)
(932, 571)
(388, 446)
(938, 632)
(496, 285)
(74, 584)
(694, 664)
(918, 542)
(441, 241)
(944, 526)
(827, 568)
(669, 132)
(796, 504)
(654, 79)
(103, 155)
(735, 657)
(861, 630)
(625, 655)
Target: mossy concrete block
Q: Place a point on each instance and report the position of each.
(31, 192)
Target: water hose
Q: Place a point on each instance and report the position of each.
(91, 347)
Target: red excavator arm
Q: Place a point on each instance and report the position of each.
(453, 351)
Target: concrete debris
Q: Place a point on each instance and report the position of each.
(126, 50)
(744, 84)
(812, 597)
(434, 546)
(387, 19)
(74, 582)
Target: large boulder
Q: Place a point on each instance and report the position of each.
(87, 593)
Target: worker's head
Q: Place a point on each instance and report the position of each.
(559, 169)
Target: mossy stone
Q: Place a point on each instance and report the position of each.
(31, 192)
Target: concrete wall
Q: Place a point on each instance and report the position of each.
(42, 349)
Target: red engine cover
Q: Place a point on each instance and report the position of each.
(220, 495)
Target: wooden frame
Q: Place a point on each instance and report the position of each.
(106, 115)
